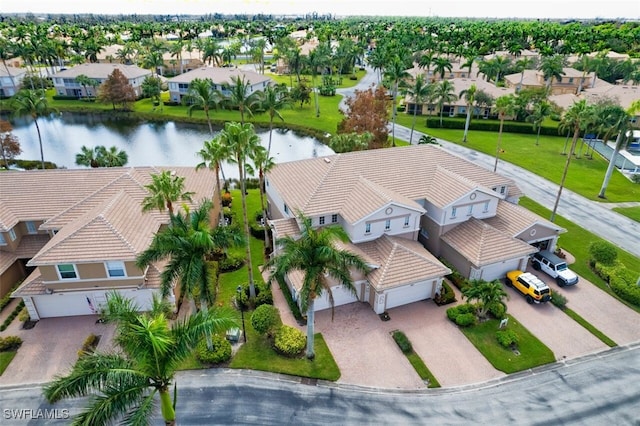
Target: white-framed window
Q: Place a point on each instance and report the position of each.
(115, 268)
(3, 242)
(12, 234)
(387, 224)
(486, 207)
(367, 228)
(334, 218)
(470, 210)
(321, 220)
(454, 211)
(67, 271)
(31, 227)
(406, 221)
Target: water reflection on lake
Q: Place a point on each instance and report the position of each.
(147, 143)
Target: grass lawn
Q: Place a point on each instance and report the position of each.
(632, 213)
(5, 360)
(576, 241)
(584, 177)
(422, 370)
(533, 352)
(599, 334)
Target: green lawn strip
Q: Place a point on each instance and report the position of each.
(632, 213)
(422, 370)
(5, 360)
(576, 241)
(533, 352)
(599, 334)
(585, 174)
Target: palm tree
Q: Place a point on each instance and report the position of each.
(165, 189)
(617, 121)
(552, 68)
(124, 384)
(444, 94)
(575, 119)
(541, 110)
(213, 153)
(505, 105)
(241, 140)
(313, 252)
(272, 99)
(33, 103)
(469, 97)
(201, 95)
(87, 157)
(263, 163)
(111, 157)
(420, 91)
(395, 73)
(522, 65)
(487, 293)
(240, 96)
(441, 65)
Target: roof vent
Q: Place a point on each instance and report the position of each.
(327, 160)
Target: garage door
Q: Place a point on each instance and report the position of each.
(341, 296)
(409, 294)
(62, 305)
(499, 270)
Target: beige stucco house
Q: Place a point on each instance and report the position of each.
(79, 237)
(66, 84)
(402, 209)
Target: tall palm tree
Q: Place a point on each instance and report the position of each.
(395, 73)
(87, 157)
(313, 252)
(441, 65)
(552, 68)
(420, 91)
(522, 65)
(201, 95)
(213, 153)
(444, 93)
(241, 97)
(541, 110)
(272, 99)
(487, 293)
(165, 189)
(125, 384)
(112, 157)
(505, 105)
(263, 163)
(241, 140)
(34, 104)
(576, 118)
(617, 121)
(469, 97)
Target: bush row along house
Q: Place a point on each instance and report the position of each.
(80, 236)
(403, 209)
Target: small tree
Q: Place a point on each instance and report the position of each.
(487, 293)
(266, 319)
(117, 90)
(367, 111)
(152, 88)
(348, 142)
(301, 93)
(603, 252)
(9, 145)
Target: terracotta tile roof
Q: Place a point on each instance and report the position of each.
(102, 71)
(327, 185)
(482, 244)
(401, 261)
(219, 75)
(513, 219)
(456, 186)
(30, 245)
(285, 227)
(6, 260)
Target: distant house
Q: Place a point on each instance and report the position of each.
(534, 79)
(11, 80)
(190, 59)
(79, 238)
(66, 83)
(220, 77)
(402, 208)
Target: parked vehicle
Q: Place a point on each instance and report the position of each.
(531, 287)
(555, 267)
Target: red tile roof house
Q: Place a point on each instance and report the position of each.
(402, 209)
(77, 234)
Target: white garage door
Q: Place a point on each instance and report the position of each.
(409, 294)
(62, 305)
(499, 270)
(341, 296)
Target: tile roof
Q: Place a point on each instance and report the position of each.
(6, 260)
(219, 75)
(482, 244)
(285, 227)
(513, 219)
(30, 245)
(9, 71)
(329, 184)
(102, 71)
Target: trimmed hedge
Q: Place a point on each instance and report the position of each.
(12, 316)
(463, 315)
(558, 300)
(403, 341)
(220, 352)
(263, 296)
(289, 341)
(489, 126)
(231, 263)
(10, 343)
(623, 283)
(455, 277)
(266, 319)
(6, 299)
(446, 295)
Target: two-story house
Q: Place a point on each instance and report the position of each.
(66, 84)
(80, 236)
(402, 209)
(220, 78)
(11, 80)
(569, 82)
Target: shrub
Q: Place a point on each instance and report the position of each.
(89, 345)
(24, 316)
(466, 320)
(507, 338)
(265, 319)
(446, 295)
(489, 125)
(497, 310)
(10, 343)
(635, 178)
(289, 341)
(263, 296)
(558, 300)
(403, 341)
(12, 316)
(231, 262)
(220, 352)
(623, 282)
(466, 308)
(257, 230)
(6, 299)
(603, 252)
(226, 199)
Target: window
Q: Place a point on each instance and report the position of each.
(486, 206)
(503, 189)
(387, 224)
(3, 242)
(453, 211)
(31, 228)
(12, 234)
(67, 272)
(334, 218)
(470, 210)
(367, 228)
(321, 220)
(115, 269)
(286, 209)
(570, 80)
(406, 221)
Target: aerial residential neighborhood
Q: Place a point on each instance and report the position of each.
(368, 206)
